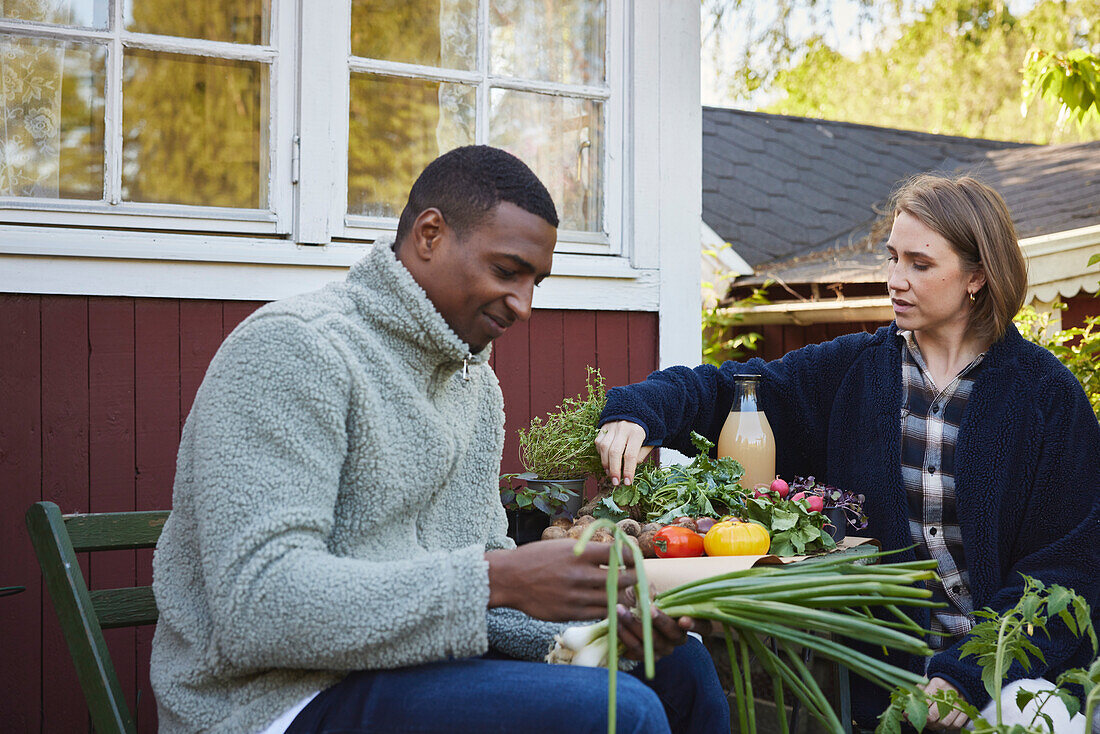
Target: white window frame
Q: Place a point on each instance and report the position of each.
(274, 218)
(325, 109)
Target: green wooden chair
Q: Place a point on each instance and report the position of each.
(85, 614)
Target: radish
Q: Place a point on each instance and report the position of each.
(815, 501)
(780, 486)
(762, 492)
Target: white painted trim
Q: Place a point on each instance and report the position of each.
(322, 191)
(268, 270)
(1057, 264)
(724, 252)
(179, 247)
(804, 313)
(669, 102)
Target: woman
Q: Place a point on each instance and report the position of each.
(968, 442)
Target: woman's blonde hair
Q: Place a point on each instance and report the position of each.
(975, 220)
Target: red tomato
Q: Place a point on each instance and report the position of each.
(678, 542)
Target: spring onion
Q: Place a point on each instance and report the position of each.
(774, 612)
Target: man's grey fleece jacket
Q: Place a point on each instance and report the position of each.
(336, 490)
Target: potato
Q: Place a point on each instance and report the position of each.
(645, 542)
(575, 532)
(602, 536)
(651, 527)
(630, 527)
(584, 520)
(553, 532)
(562, 522)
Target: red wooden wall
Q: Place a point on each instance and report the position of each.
(93, 393)
(778, 339)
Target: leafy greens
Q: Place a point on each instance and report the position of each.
(705, 487)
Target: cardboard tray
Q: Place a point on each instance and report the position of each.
(667, 573)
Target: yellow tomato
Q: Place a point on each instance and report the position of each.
(736, 538)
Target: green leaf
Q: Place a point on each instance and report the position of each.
(916, 711)
(1028, 606)
(1023, 698)
(1058, 599)
(990, 681)
(1069, 700)
(783, 520)
(608, 510)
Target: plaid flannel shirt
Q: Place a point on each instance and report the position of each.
(930, 419)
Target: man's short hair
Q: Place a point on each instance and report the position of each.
(467, 183)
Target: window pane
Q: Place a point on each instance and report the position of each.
(233, 21)
(561, 41)
(562, 140)
(194, 130)
(431, 32)
(397, 127)
(51, 143)
(83, 13)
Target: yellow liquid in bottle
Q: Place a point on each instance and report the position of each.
(747, 437)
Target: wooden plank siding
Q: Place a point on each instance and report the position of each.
(778, 339)
(94, 392)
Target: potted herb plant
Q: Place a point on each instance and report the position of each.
(531, 506)
(558, 454)
(842, 509)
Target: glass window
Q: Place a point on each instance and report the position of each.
(185, 120)
(562, 140)
(232, 21)
(52, 137)
(562, 41)
(167, 115)
(398, 126)
(81, 13)
(430, 32)
(193, 130)
(532, 81)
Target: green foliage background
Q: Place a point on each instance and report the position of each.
(955, 68)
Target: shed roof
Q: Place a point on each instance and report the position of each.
(778, 187)
(797, 197)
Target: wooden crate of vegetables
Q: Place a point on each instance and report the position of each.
(697, 520)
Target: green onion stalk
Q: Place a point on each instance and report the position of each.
(773, 613)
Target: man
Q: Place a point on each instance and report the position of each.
(336, 557)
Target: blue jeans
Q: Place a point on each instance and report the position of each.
(482, 695)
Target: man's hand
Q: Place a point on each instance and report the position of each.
(547, 581)
(620, 447)
(953, 720)
(667, 632)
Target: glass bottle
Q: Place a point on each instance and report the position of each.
(747, 436)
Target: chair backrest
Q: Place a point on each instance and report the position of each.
(84, 614)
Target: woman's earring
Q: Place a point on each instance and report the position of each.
(971, 297)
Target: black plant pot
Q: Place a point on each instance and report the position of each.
(525, 526)
(839, 519)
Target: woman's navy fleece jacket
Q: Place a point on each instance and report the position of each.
(1027, 466)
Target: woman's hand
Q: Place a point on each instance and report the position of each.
(620, 447)
(952, 720)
